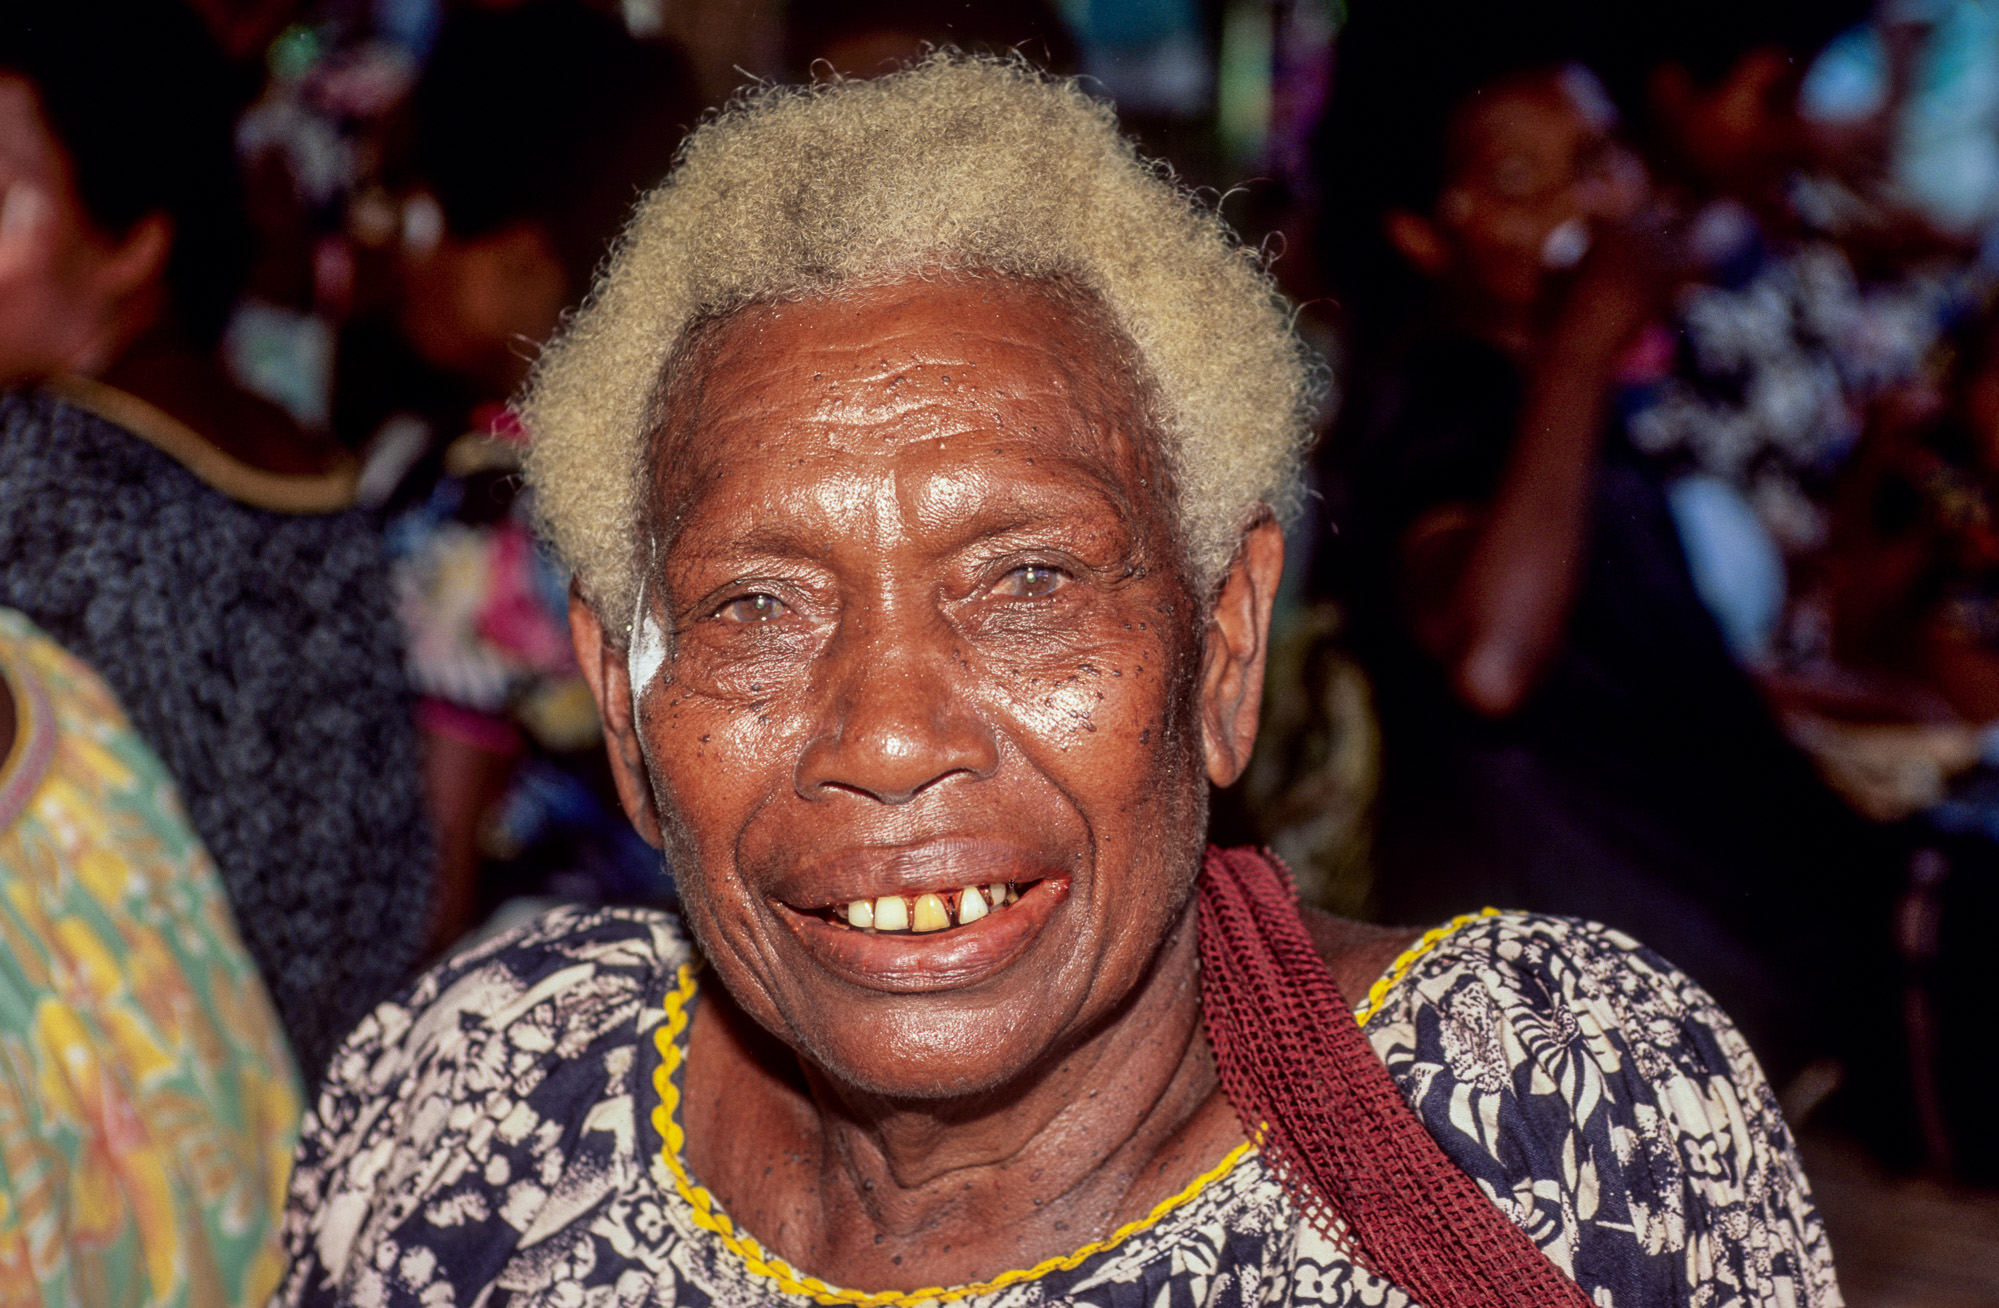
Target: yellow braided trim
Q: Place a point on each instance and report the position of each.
(1400, 967)
(17, 784)
(279, 492)
(27, 718)
(709, 1215)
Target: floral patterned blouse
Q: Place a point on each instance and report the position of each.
(148, 1104)
(508, 1133)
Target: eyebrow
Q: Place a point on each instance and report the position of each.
(998, 516)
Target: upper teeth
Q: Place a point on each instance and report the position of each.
(930, 914)
(929, 911)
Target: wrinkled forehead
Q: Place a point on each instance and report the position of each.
(991, 368)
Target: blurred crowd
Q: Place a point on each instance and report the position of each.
(1652, 577)
(1654, 507)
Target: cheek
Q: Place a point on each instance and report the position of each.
(1507, 258)
(1105, 722)
(1518, 233)
(715, 764)
(720, 745)
(43, 272)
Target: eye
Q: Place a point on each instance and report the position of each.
(1033, 581)
(751, 609)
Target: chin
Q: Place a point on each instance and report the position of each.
(929, 1053)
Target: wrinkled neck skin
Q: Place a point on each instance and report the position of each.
(879, 1194)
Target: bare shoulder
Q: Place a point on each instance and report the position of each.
(1357, 953)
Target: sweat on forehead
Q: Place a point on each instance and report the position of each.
(926, 359)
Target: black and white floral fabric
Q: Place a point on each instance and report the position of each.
(508, 1133)
(1779, 352)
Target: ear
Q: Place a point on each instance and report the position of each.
(1418, 240)
(1238, 638)
(139, 259)
(607, 670)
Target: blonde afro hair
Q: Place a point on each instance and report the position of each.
(956, 163)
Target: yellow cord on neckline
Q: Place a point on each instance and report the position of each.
(1407, 959)
(708, 1214)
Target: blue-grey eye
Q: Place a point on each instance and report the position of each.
(1033, 581)
(752, 608)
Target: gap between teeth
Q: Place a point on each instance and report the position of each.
(926, 912)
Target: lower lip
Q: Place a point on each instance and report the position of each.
(906, 963)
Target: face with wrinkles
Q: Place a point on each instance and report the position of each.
(922, 708)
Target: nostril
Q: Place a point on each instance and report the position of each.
(896, 768)
(886, 794)
(897, 722)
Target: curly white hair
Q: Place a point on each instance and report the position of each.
(955, 163)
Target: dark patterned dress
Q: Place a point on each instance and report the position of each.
(508, 1133)
(256, 653)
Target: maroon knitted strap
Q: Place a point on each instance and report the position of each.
(1307, 1084)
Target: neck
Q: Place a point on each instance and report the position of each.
(119, 327)
(1512, 330)
(876, 1193)
(190, 384)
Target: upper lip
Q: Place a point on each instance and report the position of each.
(930, 867)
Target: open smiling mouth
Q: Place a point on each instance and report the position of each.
(916, 941)
(930, 911)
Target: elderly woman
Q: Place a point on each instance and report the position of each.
(921, 457)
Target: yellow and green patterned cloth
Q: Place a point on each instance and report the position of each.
(148, 1102)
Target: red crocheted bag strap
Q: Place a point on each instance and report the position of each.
(1305, 1082)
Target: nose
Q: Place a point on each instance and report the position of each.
(898, 718)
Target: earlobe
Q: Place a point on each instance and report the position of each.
(606, 669)
(1238, 639)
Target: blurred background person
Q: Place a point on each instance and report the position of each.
(148, 1104)
(1780, 343)
(125, 235)
(184, 538)
(1914, 553)
(503, 217)
(1563, 725)
(1818, 282)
